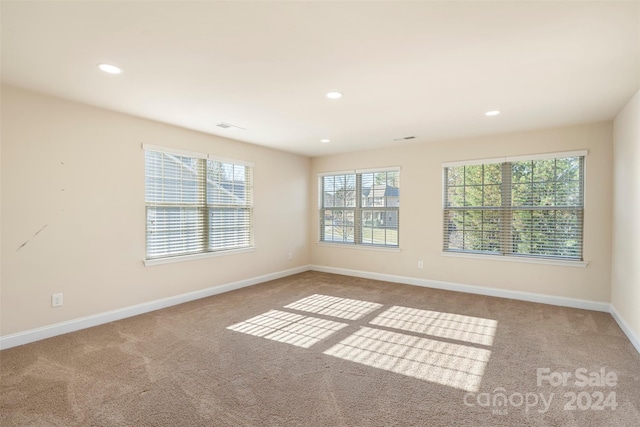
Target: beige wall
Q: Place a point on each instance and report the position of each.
(73, 191)
(421, 214)
(625, 271)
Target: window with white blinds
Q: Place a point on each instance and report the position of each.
(196, 204)
(360, 207)
(528, 207)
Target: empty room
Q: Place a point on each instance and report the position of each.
(322, 213)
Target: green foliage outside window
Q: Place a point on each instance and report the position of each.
(531, 208)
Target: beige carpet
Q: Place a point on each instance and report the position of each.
(317, 349)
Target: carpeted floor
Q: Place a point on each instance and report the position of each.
(317, 349)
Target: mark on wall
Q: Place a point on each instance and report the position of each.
(32, 237)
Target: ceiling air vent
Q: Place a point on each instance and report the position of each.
(228, 126)
(404, 138)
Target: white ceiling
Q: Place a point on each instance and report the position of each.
(429, 69)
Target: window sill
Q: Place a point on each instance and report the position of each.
(354, 246)
(169, 260)
(565, 263)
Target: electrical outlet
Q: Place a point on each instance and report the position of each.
(290, 256)
(56, 300)
(420, 264)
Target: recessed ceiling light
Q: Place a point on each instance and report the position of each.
(334, 95)
(108, 68)
(325, 141)
(492, 113)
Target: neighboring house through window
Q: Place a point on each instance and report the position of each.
(195, 203)
(360, 207)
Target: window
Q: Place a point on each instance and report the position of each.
(196, 204)
(360, 208)
(519, 206)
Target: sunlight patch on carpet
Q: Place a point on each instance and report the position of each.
(474, 330)
(289, 328)
(448, 364)
(403, 340)
(343, 308)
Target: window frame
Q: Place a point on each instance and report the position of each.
(358, 210)
(204, 208)
(506, 209)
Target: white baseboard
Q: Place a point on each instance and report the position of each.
(494, 292)
(470, 289)
(625, 328)
(37, 334)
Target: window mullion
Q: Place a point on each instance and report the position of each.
(357, 217)
(204, 189)
(506, 216)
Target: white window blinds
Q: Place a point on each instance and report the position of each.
(519, 207)
(229, 200)
(194, 204)
(360, 207)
